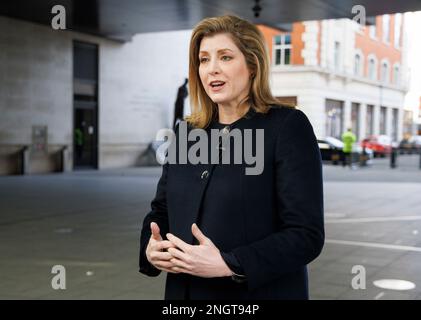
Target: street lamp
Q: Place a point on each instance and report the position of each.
(257, 8)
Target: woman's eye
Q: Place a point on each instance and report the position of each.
(226, 58)
(203, 60)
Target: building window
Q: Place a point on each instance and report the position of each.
(372, 31)
(372, 68)
(386, 28)
(383, 120)
(395, 125)
(398, 28)
(358, 64)
(337, 58)
(282, 49)
(355, 118)
(369, 120)
(396, 74)
(407, 122)
(334, 118)
(384, 75)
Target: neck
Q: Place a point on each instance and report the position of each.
(228, 114)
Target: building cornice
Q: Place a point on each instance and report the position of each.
(345, 77)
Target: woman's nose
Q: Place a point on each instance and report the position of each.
(214, 67)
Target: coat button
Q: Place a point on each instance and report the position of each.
(226, 130)
(205, 174)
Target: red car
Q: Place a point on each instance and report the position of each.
(381, 145)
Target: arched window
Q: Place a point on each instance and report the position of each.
(372, 68)
(337, 56)
(358, 64)
(384, 73)
(396, 74)
(372, 31)
(386, 28)
(398, 27)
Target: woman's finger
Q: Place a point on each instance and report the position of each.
(166, 266)
(181, 264)
(163, 264)
(179, 254)
(164, 244)
(155, 232)
(178, 242)
(158, 255)
(170, 270)
(181, 270)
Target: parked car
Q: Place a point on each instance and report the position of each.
(331, 150)
(416, 143)
(407, 146)
(380, 144)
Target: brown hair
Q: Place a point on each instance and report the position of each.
(251, 43)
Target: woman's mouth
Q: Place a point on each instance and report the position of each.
(217, 85)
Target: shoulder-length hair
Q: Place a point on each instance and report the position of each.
(251, 43)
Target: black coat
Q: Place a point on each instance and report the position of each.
(272, 222)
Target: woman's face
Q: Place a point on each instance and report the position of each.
(223, 70)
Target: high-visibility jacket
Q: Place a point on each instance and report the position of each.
(348, 138)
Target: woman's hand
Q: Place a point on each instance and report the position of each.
(203, 260)
(156, 251)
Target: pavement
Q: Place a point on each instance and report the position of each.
(89, 223)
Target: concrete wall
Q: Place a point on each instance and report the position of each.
(138, 83)
(35, 88)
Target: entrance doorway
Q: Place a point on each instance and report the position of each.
(85, 104)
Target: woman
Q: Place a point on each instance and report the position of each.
(220, 233)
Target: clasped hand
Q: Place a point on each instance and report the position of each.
(176, 256)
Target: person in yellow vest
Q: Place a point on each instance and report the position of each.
(348, 138)
(78, 142)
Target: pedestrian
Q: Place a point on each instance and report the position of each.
(217, 232)
(348, 139)
(78, 143)
(179, 103)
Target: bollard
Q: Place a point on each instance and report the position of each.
(63, 159)
(354, 159)
(420, 159)
(335, 158)
(363, 158)
(393, 157)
